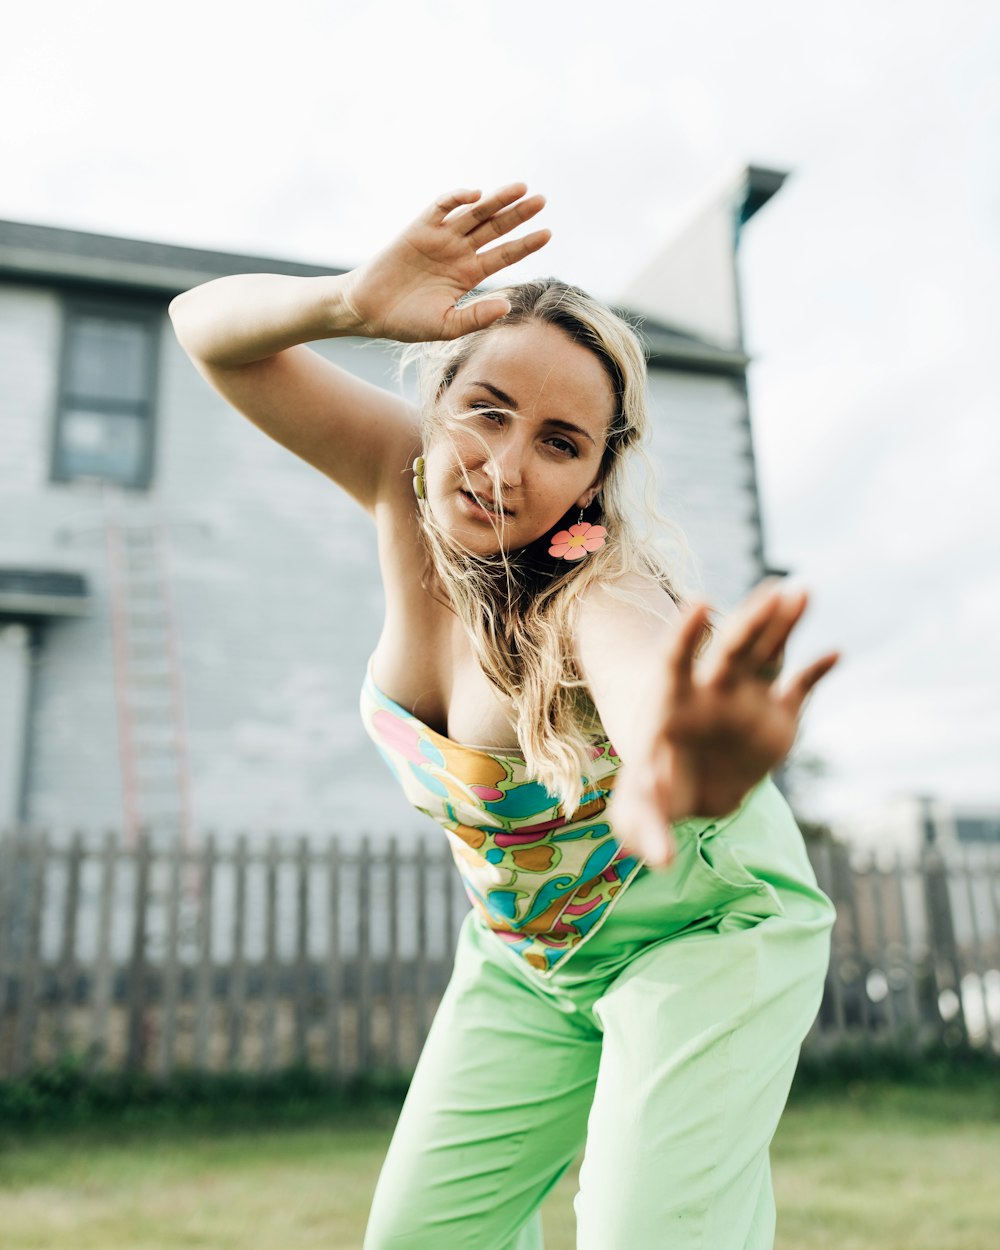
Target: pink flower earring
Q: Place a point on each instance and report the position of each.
(579, 540)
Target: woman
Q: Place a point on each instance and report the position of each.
(636, 974)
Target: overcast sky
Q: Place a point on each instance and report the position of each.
(314, 129)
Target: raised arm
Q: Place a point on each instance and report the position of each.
(694, 735)
(246, 334)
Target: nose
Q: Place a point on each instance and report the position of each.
(504, 462)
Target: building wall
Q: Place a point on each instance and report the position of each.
(275, 587)
(71, 756)
(703, 459)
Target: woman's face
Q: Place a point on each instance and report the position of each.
(534, 408)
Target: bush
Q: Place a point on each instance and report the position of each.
(66, 1093)
(935, 1064)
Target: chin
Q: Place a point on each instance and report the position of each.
(471, 534)
(473, 542)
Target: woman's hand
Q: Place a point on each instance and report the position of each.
(718, 725)
(408, 291)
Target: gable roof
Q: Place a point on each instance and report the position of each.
(691, 282)
(55, 255)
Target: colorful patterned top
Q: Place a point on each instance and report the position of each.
(542, 883)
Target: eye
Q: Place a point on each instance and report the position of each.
(563, 446)
(490, 412)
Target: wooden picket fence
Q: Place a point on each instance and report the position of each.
(257, 954)
(915, 953)
(250, 956)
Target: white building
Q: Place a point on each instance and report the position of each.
(909, 824)
(186, 609)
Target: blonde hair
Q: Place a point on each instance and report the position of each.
(518, 607)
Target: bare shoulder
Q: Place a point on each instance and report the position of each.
(630, 610)
(622, 636)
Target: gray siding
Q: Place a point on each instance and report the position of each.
(275, 587)
(702, 452)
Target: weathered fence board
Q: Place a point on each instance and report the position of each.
(364, 957)
(393, 955)
(237, 998)
(103, 970)
(907, 976)
(27, 985)
(269, 1050)
(67, 955)
(251, 955)
(172, 963)
(334, 976)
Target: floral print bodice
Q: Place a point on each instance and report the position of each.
(542, 882)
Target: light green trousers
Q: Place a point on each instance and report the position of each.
(666, 1046)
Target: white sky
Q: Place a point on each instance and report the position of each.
(314, 130)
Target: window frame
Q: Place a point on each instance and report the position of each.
(119, 307)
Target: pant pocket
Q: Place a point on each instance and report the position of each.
(736, 889)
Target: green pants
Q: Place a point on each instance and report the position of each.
(666, 1046)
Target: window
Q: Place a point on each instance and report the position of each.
(104, 423)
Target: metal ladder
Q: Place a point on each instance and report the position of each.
(156, 777)
(155, 768)
(152, 738)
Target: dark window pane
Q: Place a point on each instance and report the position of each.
(102, 444)
(107, 358)
(977, 829)
(106, 411)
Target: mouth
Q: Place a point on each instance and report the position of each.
(485, 504)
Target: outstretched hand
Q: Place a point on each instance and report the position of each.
(408, 291)
(719, 724)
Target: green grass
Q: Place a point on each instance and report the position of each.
(292, 1188)
(867, 1167)
(897, 1167)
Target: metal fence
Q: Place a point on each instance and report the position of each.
(258, 954)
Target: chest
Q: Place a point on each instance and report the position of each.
(424, 659)
(478, 715)
(425, 662)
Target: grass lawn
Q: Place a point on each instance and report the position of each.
(872, 1167)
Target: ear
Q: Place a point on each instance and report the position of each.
(589, 495)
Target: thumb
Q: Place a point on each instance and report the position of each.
(476, 315)
(657, 845)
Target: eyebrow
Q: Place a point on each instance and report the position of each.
(554, 421)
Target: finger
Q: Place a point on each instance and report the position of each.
(800, 686)
(476, 315)
(746, 626)
(498, 258)
(488, 207)
(771, 643)
(762, 592)
(770, 669)
(742, 643)
(435, 213)
(658, 848)
(503, 223)
(684, 648)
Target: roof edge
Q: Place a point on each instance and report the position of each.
(35, 253)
